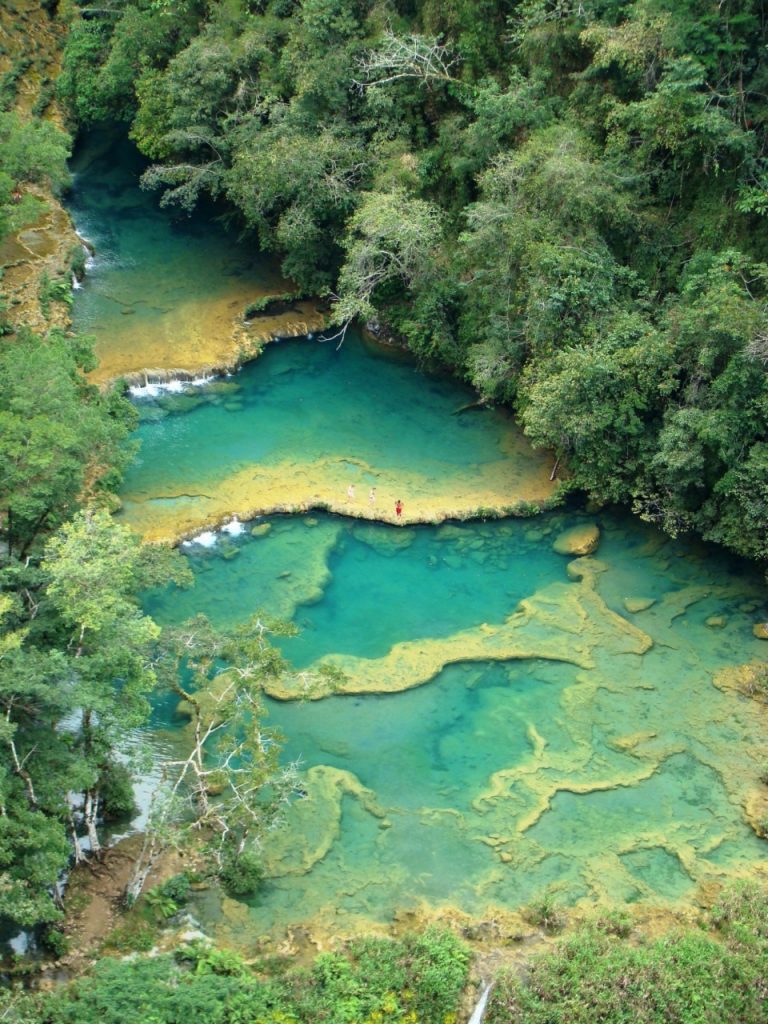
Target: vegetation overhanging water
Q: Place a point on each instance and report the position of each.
(545, 736)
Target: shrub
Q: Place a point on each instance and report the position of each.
(546, 913)
(243, 874)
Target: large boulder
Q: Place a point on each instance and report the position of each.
(579, 540)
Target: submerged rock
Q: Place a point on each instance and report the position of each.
(638, 604)
(579, 540)
(760, 630)
(261, 529)
(716, 621)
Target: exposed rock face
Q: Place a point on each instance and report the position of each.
(579, 540)
(45, 247)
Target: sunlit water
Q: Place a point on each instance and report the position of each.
(595, 755)
(494, 781)
(164, 290)
(307, 421)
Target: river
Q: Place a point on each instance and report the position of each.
(512, 720)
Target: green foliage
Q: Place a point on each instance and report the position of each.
(691, 978)
(416, 980)
(546, 912)
(162, 904)
(242, 874)
(53, 427)
(57, 290)
(564, 203)
(56, 941)
(9, 82)
(177, 888)
(31, 152)
(118, 801)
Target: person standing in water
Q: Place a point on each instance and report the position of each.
(398, 508)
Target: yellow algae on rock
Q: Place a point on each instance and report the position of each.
(579, 540)
(195, 336)
(297, 486)
(562, 622)
(314, 821)
(760, 630)
(632, 742)
(638, 604)
(584, 566)
(261, 529)
(716, 621)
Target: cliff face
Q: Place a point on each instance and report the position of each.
(38, 253)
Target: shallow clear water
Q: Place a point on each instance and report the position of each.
(622, 782)
(164, 290)
(307, 420)
(594, 753)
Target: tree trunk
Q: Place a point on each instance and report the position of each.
(150, 851)
(90, 814)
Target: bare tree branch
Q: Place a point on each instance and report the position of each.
(422, 58)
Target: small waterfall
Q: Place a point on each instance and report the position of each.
(172, 386)
(479, 1011)
(234, 527)
(206, 539)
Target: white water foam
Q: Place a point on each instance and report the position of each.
(206, 539)
(151, 389)
(234, 527)
(209, 538)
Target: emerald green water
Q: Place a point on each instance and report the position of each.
(307, 420)
(164, 290)
(576, 806)
(594, 753)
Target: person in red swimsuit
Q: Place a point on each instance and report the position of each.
(398, 508)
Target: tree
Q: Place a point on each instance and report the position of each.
(55, 431)
(230, 789)
(391, 238)
(95, 568)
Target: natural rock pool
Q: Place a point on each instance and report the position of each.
(598, 756)
(165, 291)
(511, 718)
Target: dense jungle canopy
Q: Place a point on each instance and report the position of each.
(563, 201)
